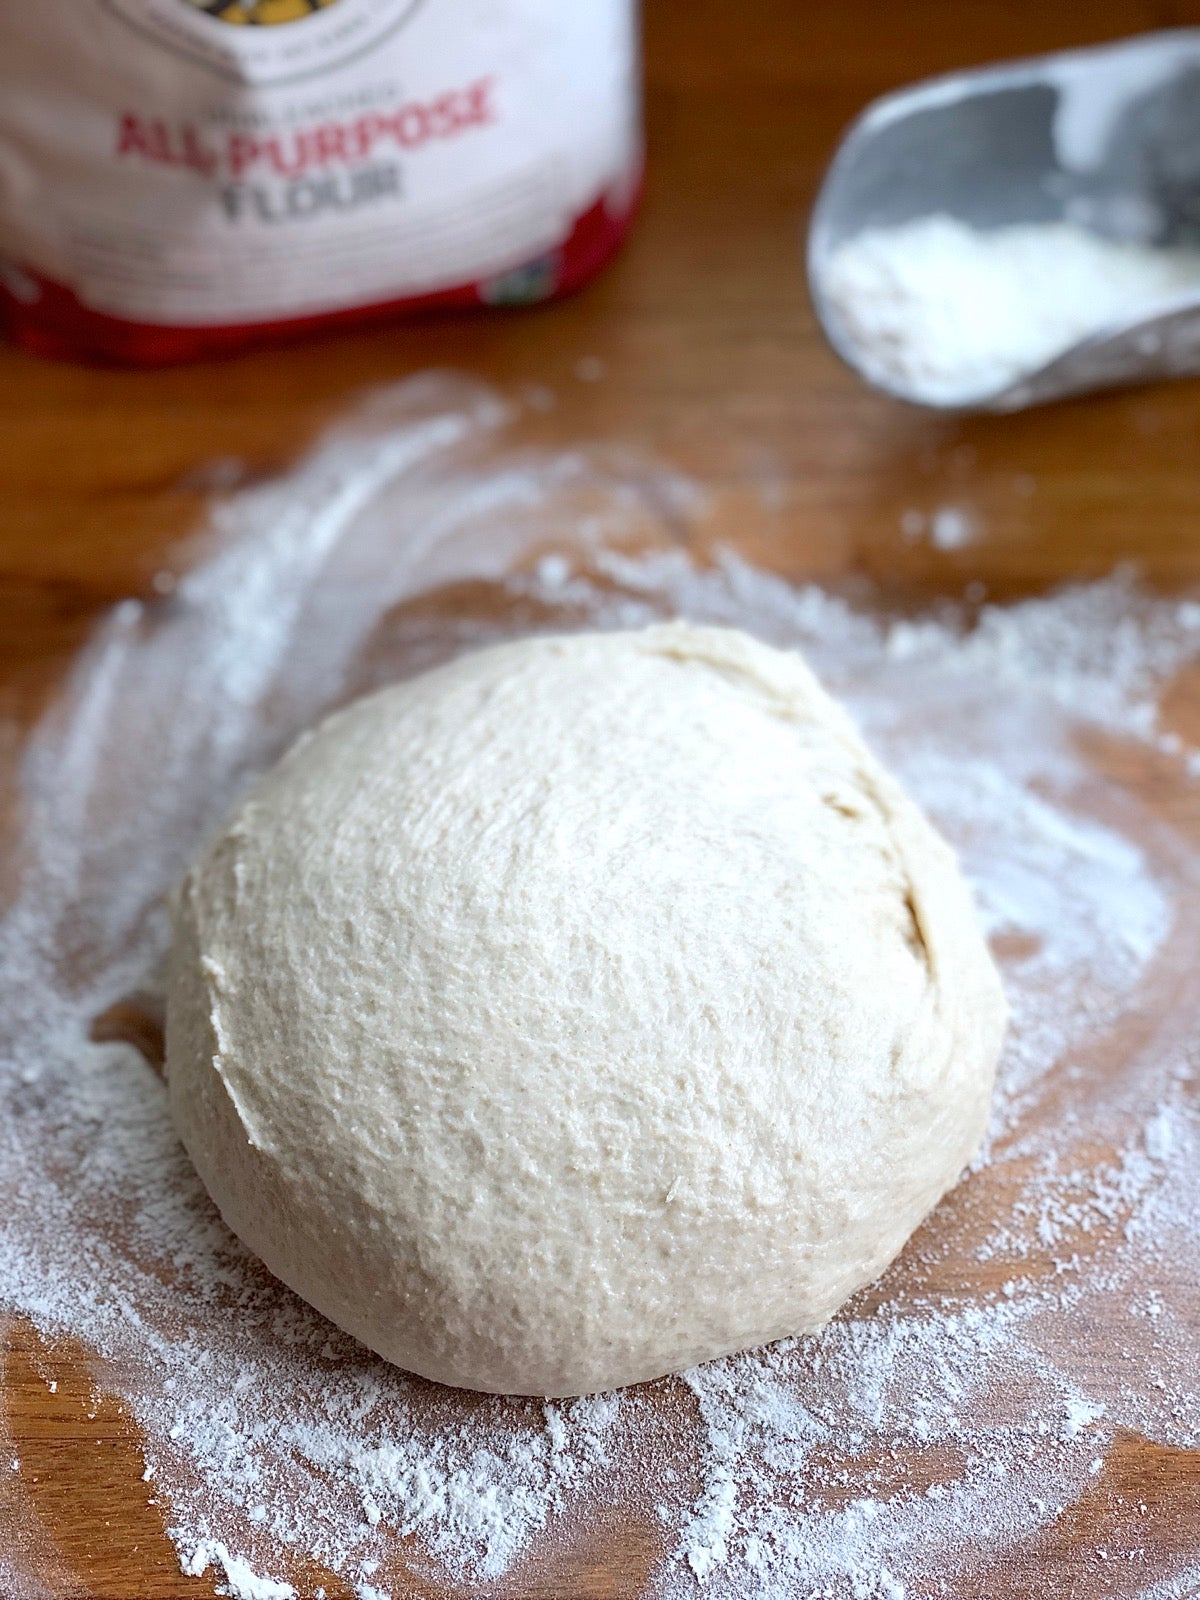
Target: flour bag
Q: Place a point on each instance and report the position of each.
(182, 178)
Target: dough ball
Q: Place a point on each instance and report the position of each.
(579, 1011)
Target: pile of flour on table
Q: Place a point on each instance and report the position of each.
(951, 314)
(954, 1413)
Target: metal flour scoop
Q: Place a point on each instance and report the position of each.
(1107, 139)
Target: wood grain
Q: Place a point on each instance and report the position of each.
(711, 359)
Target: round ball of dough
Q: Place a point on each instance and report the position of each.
(579, 1011)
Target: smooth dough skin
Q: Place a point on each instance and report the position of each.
(579, 1011)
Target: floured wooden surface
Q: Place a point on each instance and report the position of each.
(978, 1411)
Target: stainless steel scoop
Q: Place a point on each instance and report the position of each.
(1107, 137)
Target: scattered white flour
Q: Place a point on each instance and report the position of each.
(947, 527)
(954, 1411)
(950, 314)
(951, 528)
(240, 1580)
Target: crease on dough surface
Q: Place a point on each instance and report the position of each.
(213, 978)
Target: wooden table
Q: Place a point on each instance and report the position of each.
(710, 357)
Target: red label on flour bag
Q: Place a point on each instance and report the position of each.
(180, 178)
